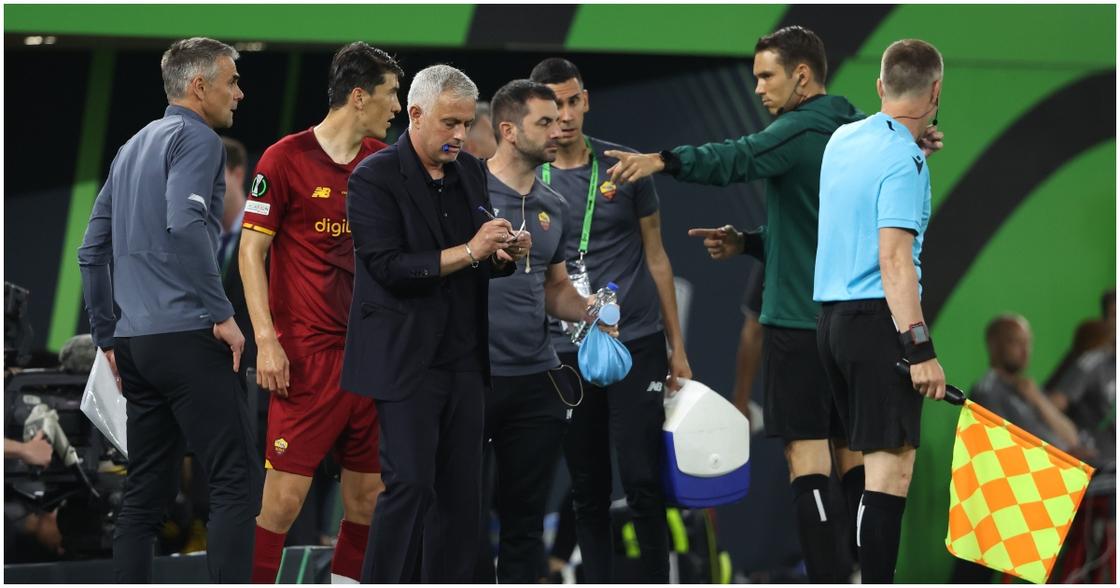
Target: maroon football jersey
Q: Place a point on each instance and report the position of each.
(298, 196)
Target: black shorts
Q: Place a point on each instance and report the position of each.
(797, 404)
(859, 347)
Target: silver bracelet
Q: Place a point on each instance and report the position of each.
(470, 254)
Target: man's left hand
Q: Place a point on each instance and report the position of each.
(37, 451)
(517, 248)
(931, 141)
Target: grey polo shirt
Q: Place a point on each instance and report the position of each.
(519, 339)
(157, 220)
(615, 252)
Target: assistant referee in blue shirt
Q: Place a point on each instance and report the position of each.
(874, 209)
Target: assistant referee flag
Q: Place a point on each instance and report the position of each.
(1012, 496)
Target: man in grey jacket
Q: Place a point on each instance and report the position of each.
(175, 344)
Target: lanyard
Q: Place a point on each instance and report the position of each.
(546, 176)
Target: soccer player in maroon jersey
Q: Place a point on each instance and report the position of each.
(297, 208)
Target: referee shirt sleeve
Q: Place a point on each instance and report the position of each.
(901, 195)
(764, 154)
(196, 160)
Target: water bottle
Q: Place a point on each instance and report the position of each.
(577, 273)
(607, 296)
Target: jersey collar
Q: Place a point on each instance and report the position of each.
(895, 126)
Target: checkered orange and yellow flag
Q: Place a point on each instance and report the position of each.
(1012, 496)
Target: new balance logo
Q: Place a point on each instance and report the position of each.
(656, 387)
(321, 192)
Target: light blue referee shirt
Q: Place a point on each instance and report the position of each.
(873, 176)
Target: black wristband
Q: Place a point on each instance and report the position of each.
(915, 353)
(753, 245)
(672, 162)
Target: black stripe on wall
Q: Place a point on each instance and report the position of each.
(1002, 178)
(843, 28)
(505, 26)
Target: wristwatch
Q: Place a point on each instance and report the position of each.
(918, 334)
(917, 346)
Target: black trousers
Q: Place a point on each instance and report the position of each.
(182, 393)
(525, 423)
(425, 526)
(628, 414)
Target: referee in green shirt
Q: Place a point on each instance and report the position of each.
(791, 68)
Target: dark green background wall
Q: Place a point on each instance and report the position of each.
(1024, 192)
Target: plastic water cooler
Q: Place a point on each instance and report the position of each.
(707, 445)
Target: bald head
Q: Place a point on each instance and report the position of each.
(1009, 343)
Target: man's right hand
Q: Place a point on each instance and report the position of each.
(928, 379)
(722, 243)
(632, 167)
(272, 366)
(491, 236)
(229, 333)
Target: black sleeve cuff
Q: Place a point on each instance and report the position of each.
(754, 246)
(672, 163)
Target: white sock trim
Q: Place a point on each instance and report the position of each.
(859, 523)
(820, 505)
(337, 579)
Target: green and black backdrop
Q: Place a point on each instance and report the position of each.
(1024, 191)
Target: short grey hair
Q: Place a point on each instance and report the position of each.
(910, 67)
(187, 58)
(433, 81)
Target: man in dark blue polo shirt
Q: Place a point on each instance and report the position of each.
(175, 343)
(874, 210)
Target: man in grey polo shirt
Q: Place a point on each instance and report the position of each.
(616, 232)
(529, 404)
(175, 344)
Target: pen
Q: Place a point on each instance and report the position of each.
(492, 217)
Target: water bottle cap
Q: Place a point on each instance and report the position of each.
(613, 287)
(609, 314)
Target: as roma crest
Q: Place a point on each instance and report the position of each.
(608, 189)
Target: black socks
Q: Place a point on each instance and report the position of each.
(853, 492)
(814, 527)
(878, 533)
